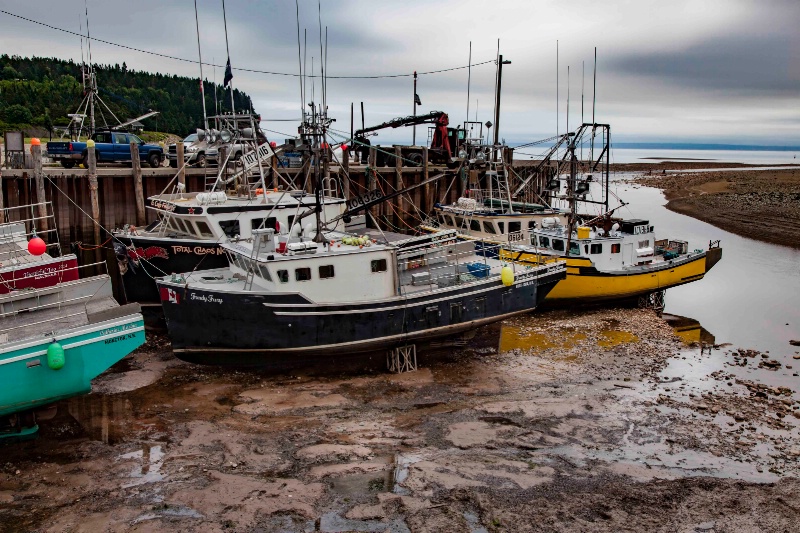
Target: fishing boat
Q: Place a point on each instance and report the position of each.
(311, 290)
(57, 331)
(192, 225)
(487, 215)
(608, 258)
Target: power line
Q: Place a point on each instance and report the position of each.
(256, 71)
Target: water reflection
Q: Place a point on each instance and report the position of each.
(103, 417)
(689, 330)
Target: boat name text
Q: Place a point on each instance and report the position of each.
(197, 250)
(206, 298)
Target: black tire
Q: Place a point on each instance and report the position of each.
(173, 163)
(67, 163)
(154, 160)
(200, 161)
(415, 159)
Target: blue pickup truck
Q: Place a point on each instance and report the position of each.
(110, 146)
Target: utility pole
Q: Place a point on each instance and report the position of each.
(414, 135)
(500, 64)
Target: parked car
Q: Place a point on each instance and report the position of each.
(201, 153)
(109, 146)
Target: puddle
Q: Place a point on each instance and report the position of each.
(169, 512)
(151, 459)
(402, 462)
(513, 337)
(333, 522)
(473, 523)
(614, 337)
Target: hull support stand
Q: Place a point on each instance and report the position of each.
(402, 359)
(654, 300)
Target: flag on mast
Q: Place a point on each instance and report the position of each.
(417, 100)
(228, 74)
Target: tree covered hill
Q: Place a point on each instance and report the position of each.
(40, 92)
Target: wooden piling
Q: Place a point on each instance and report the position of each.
(397, 203)
(2, 199)
(41, 198)
(91, 161)
(346, 170)
(141, 218)
(427, 195)
(181, 163)
(371, 213)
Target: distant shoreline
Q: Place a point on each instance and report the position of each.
(757, 204)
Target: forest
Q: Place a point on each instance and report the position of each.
(39, 92)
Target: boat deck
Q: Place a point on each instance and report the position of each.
(46, 321)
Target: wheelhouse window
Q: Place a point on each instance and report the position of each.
(264, 272)
(459, 222)
(230, 227)
(203, 229)
(326, 271)
(558, 245)
(644, 244)
(544, 242)
(258, 223)
(475, 225)
(615, 248)
(574, 249)
(378, 265)
(302, 274)
(488, 227)
(597, 248)
(531, 224)
(283, 276)
(502, 227)
(514, 227)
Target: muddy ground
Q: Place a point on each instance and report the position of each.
(550, 422)
(759, 204)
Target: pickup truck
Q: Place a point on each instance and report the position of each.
(202, 153)
(109, 146)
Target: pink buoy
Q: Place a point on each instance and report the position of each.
(36, 246)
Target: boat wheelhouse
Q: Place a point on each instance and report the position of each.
(191, 227)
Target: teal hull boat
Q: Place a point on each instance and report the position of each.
(59, 340)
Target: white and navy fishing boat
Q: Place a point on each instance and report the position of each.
(294, 294)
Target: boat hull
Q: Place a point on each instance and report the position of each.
(153, 257)
(235, 328)
(585, 284)
(28, 381)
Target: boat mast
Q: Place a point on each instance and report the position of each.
(200, 58)
(228, 50)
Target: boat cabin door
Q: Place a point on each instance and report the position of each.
(627, 254)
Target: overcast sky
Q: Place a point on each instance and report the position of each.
(721, 71)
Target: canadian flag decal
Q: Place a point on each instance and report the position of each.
(169, 295)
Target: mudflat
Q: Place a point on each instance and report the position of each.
(557, 421)
(758, 204)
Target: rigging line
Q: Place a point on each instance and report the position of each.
(53, 183)
(256, 71)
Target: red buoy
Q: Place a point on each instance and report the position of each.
(36, 246)
(273, 144)
(344, 147)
